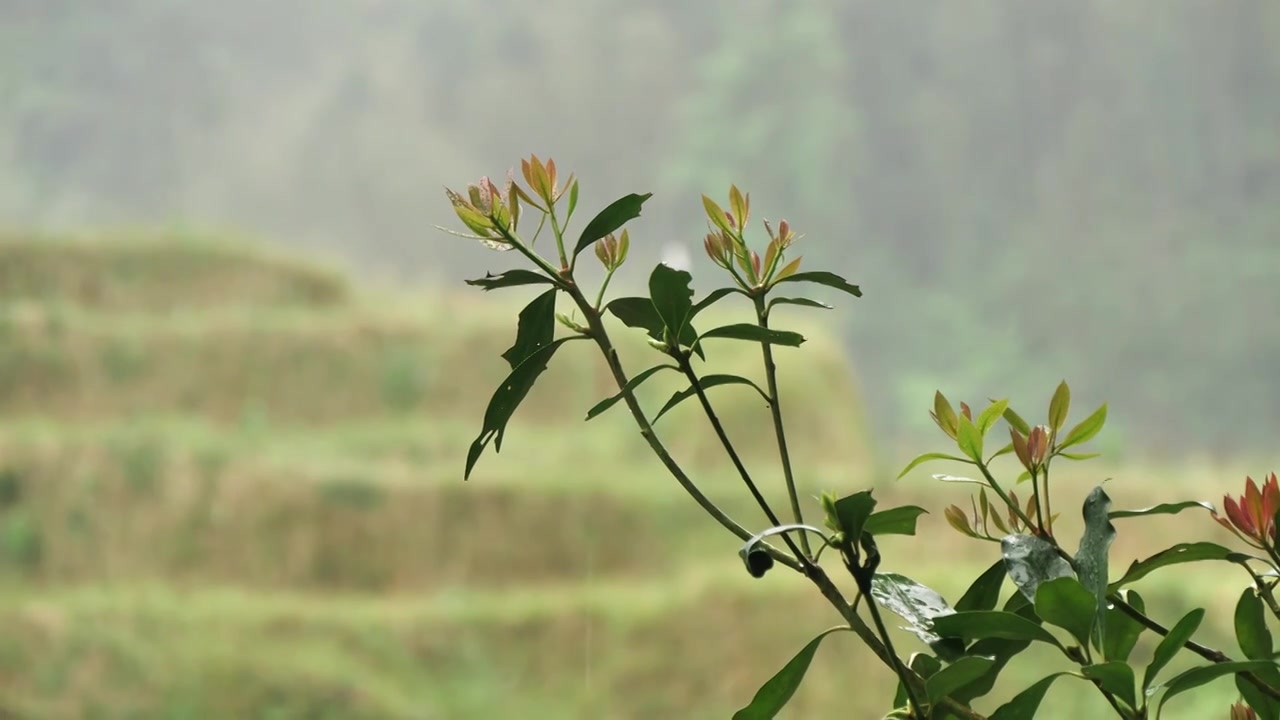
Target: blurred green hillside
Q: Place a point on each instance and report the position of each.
(1028, 190)
(231, 486)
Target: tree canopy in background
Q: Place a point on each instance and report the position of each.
(1025, 191)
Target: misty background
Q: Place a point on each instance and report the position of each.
(1025, 191)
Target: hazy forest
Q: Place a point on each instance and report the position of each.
(236, 370)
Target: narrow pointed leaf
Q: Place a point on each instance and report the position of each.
(617, 214)
(955, 676)
(1176, 555)
(1015, 420)
(510, 278)
(573, 201)
(507, 398)
(1091, 558)
(983, 624)
(1114, 677)
(1123, 631)
(1059, 406)
(1195, 677)
(1169, 646)
(1030, 561)
(1066, 603)
(707, 382)
(713, 297)
(632, 384)
(984, 593)
(806, 302)
(1087, 428)
(823, 278)
(776, 693)
(535, 328)
(1026, 704)
(988, 417)
(1162, 509)
(921, 459)
(968, 439)
(1266, 707)
(1251, 626)
(944, 414)
(1079, 456)
(755, 333)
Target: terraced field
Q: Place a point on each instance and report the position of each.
(231, 486)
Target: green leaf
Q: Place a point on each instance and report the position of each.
(984, 593)
(1015, 420)
(894, 521)
(638, 312)
(631, 385)
(990, 415)
(1176, 555)
(573, 202)
(1001, 649)
(748, 331)
(713, 297)
(535, 328)
(1251, 626)
(806, 302)
(1008, 448)
(1091, 557)
(1030, 561)
(1263, 704)
(968, 439)
(1079, 456)
(1122, 630)
(1059, 406)
(820, 277)
(672, 297)
(852, 512)
(919, 606)
(1162, 509)
(955, 676)
(980, 624)
(1087, 428)
(707, 382)
(1114, 677)
(510, 278)
(1026, 703)
(617, 214)
(925, 665)
(777, 692)
(1170, 645)
(1066, 603)
(1197, 676)
(926, 458)
(507, 398)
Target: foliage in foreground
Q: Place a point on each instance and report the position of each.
(1069, 601)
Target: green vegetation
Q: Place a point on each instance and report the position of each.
(186, 541)
(971, 642)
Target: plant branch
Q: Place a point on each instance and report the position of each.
(1213, 656)
(601, 336)
(898, 666)
(1017, 511)
(682, 359)
(1048, 509)
(771, 378)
